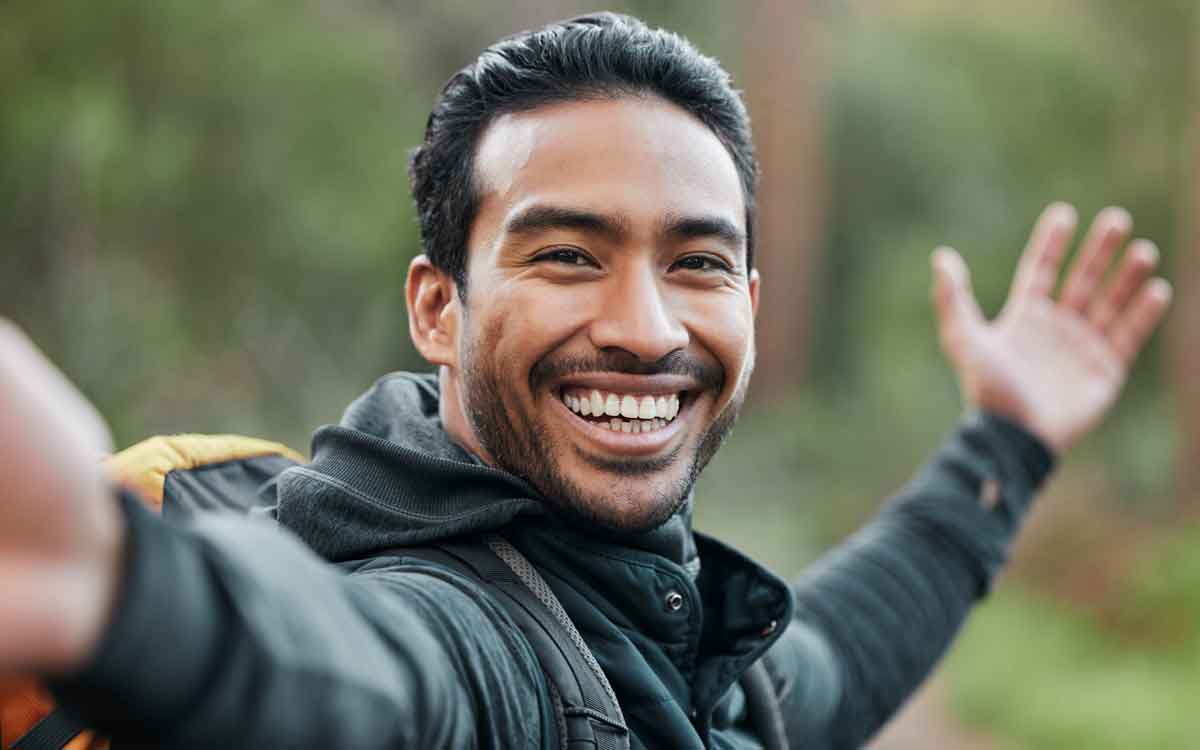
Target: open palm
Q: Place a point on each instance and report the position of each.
(1054, 365)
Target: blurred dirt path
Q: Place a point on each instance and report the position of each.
(927, 723)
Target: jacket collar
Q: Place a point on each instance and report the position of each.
(673, 616)
(390, 476)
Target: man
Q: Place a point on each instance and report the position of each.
(587, 293)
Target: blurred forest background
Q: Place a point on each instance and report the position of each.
(205, 221)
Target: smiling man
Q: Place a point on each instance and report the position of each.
(587, 295)
(609, 290)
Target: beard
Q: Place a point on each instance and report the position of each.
(522, 445)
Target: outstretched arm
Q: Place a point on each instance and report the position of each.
(876, 614)
(224, 634)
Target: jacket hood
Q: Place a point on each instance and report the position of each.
(390, 476)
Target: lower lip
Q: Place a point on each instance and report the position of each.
(623, 443)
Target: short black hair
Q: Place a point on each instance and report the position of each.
(597, 56)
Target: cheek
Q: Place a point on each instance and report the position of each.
(735, 348)
(525, 322)
(724, 327)
(539, 315)
(724, 323)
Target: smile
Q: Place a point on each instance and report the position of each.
(623, 412)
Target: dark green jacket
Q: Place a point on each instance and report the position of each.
(240, 633)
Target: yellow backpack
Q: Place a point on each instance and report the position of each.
(28, 719)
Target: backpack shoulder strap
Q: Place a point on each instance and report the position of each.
(584, 702)
(762, 706)
(53, 732)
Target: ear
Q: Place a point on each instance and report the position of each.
(434, 311)
(754, 282)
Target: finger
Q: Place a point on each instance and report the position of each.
(1138, 320)
(1139, 262)
(958, 312)
(1108, 232)
(1038, 268)
(26, 374)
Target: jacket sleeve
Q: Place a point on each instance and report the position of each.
(874, 615)
(231, 633)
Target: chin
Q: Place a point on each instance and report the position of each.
(624, 496)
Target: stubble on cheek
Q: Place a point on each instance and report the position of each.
(716, 434)
(640, 494)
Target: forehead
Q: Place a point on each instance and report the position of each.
(641, 157)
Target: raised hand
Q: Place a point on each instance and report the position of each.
(1054, 365)
(61, 536)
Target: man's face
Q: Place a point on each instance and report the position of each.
(607, 335)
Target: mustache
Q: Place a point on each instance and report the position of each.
(706, 374)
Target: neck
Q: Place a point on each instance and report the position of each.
(454, 418)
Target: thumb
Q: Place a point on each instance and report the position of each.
(958, 312)
(29, 381)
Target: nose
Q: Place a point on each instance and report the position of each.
(635, 317)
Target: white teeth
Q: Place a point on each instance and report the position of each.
(636, 426)
(633, 426)
(655, 411)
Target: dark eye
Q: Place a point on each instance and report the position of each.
(566, 256)
(701, 263)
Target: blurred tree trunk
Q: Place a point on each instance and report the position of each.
(784, 95)
(1184, 332)
(1184, 326)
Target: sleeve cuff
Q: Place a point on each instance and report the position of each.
(975, 493)
(1027, 449)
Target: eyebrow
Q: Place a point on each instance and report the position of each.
(541, 218)
(701, 227)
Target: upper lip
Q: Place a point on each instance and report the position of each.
(657, 385)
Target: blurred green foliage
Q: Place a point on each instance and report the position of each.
(204, 219)
(1044, 676)
(955, 125)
